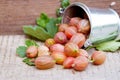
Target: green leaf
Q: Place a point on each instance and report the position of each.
(45, 29)
(21, 51)
(118, 38)
(29, 42)
(42, 20)
(108, 46)
(37, 32)
(65, 3)
(51, 27)
(58, 20)
(58, 12)
(29, 61)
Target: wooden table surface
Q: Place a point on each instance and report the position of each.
(16, 13)
(12, 67)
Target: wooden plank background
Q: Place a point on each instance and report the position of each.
(16, 13)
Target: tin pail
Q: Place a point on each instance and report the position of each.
(104, 23)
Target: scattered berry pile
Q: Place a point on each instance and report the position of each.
(66, 48)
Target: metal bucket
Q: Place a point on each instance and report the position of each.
(104, 23)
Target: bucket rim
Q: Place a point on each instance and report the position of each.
(87, 11)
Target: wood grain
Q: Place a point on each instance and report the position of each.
(12, 67)
(16, 13)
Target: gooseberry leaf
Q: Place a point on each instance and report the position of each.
(29, 42)
(51, 27)
(65, 3)
(37, 32)
(110, 46)
(28, 61)
(21, 51)
(42, 20)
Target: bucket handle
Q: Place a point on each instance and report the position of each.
(112, 4)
